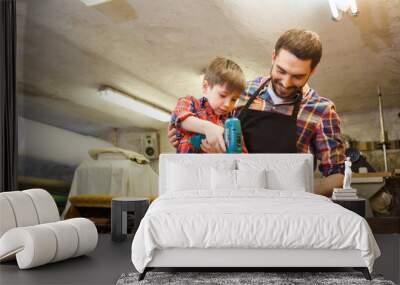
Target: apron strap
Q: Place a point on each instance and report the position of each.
(297, 105)
(250, 101)
(246, 107)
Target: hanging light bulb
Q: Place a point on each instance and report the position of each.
(338, 7)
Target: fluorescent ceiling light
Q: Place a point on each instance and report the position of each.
(94, 2)
(338, 7)
(127, 101)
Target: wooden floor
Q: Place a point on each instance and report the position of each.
(102, 266)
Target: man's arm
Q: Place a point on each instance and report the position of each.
(171, 134)
(329, 149)
(324, 186)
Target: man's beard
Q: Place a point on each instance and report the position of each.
(294, 90)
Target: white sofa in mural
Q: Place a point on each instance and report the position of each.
(31, 231)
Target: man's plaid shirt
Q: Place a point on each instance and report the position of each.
(318, 125)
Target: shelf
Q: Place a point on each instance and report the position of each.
(384, 225)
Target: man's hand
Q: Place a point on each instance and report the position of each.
(324, 186)
(172, 136)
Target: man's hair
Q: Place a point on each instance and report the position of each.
(303, 44)
(225, 71)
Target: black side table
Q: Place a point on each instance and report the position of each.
(120, 207)
(356, 205)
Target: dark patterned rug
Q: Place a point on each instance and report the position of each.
(229, 278)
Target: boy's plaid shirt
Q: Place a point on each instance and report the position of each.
(191, 106)
(318, 125)
(200, 108)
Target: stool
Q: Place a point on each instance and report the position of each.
(120, 207)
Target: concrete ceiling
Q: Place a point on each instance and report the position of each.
(67, 50)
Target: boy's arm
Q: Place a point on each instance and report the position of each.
(213, 132)
(185, 107)
(183, 117)
(324, 186)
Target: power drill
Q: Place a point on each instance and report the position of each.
(232, 137)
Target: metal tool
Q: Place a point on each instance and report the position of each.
(232, 137)
(383, 134)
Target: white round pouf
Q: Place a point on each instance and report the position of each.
(34, 244)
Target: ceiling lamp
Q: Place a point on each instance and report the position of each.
(94, 2)
(129, 102)
(338, 7)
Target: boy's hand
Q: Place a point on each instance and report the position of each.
(172, 136)
(207, 148)
(215, 137)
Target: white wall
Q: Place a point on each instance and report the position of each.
(366, 127)
(46, 142)
(131, 139)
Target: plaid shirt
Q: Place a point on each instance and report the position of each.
(318, 125)
(199, 108)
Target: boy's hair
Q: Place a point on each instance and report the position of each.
(225, 71)
(302, 43)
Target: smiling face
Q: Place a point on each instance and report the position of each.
(221, 99)
(289, 73)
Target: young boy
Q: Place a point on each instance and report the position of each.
(223, 83)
